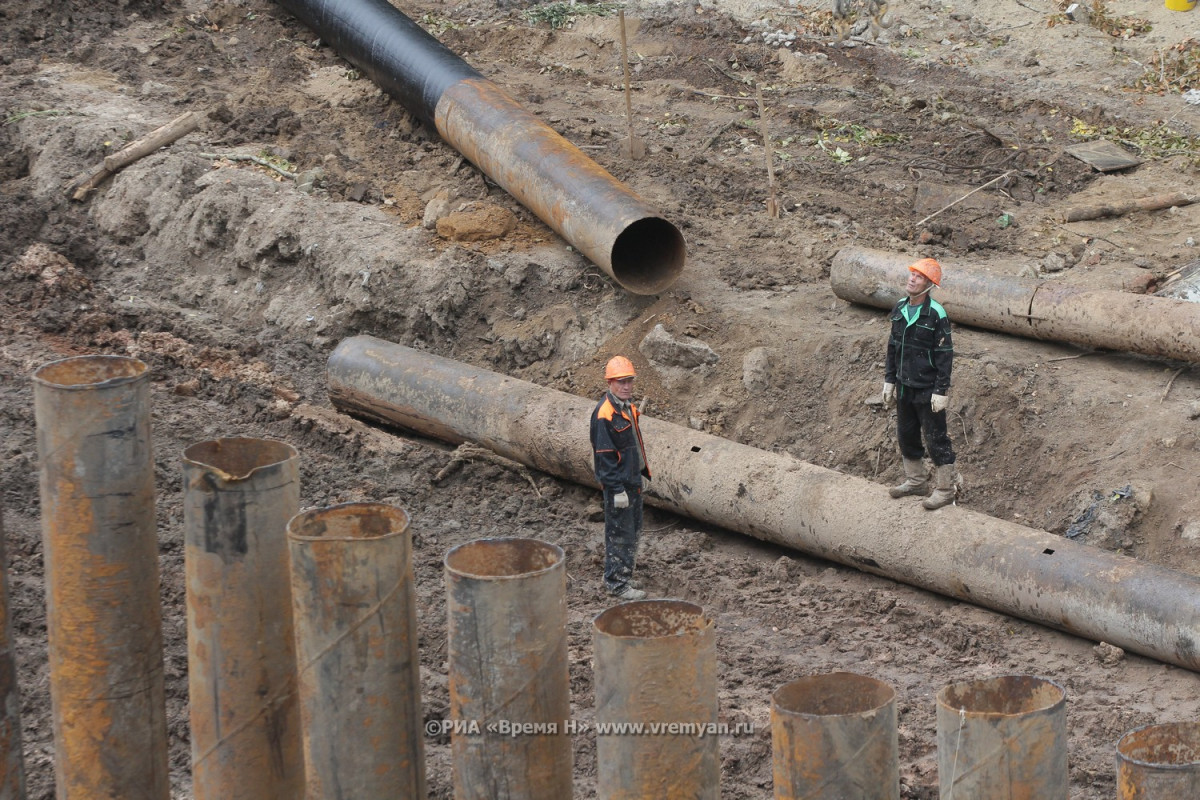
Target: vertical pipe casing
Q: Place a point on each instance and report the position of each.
(509, 685)
(238, 497)
(1159, 762)
(12, 765)
(835, 737)
(656, 669)
(1002, 738)
(356, 648)
(103, 614)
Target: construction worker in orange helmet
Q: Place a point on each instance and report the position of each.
(920, 355)
(619, 460)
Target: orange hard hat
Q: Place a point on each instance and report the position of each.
(619, 367)
(929, 268)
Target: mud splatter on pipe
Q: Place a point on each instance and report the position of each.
(956, 552)
(835, 736)
(656, 665)
(506, 600)
(103, 614)
(600, 216)
(12, 764)
(238, 496)
(356, 647)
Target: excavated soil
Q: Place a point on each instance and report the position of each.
(234, 283)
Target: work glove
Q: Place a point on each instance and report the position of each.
(621, 500)
(939, 402)
(889, 393)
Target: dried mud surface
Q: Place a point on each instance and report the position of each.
(233, 285)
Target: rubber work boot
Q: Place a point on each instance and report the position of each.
(916, 479)
(945, 488)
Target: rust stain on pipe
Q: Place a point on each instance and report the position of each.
(1003, 738)
(102, 582)
(238, 497)
(12, 764)
(835, 736)
(356, 640)
(507, 609)
(656, 663)
(993, 563)
(1159, 762)
(1049, 310)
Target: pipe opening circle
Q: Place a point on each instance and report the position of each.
(648, 256)
(833, 694)
(1164, 746)
(90, 372)
(348, 522)
(238, 459)
(503, 558)
(1008, 695)
(652, 619)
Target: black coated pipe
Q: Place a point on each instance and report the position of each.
(600, 216)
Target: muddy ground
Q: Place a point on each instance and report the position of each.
(234, 283)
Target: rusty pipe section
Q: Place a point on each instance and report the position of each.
(600, 216)
(956, 552)
(835, 736)
(356, 647)
(1048, 310)
(238, 495)
(1002, 738)
(103, 611)
(510, 700)
(1159, 762)
(656, 669)
(12, 764)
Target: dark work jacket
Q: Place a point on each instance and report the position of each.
(616, 441)
(920, 354)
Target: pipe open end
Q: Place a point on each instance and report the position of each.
(237, 459)
(648, 256)
(348, 521)
(503, 558)
(89, 372)
(836, 694)
(1007, 695)
(652, 619)
(1174, 744)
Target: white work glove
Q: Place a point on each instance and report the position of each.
(939, 402)
(889, 393)
(621, 500)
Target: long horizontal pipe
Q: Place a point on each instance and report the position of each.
(602, 217)
(959, 553)
(1134, 323)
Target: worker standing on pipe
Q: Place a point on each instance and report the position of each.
(619, 459)
(917, 379)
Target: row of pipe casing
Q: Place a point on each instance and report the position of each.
(347, 677)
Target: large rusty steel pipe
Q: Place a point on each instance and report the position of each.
(1159, 762)
(12, 764)
(1049, 310)
(956, 552)
(835, 737)
(506, 604)
(238, 495)
(356, 647)
(656, 669)
(103, 611)
(1002, 738)
(600, 216)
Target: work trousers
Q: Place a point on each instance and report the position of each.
(915, 418)
(622, 530)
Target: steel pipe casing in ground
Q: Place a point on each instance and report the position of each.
(1002, 738)
(103, 616)
(835, 737)
(356, 648)
(656, 664)
(12, 764)
(1159, 762)
(1049, 310)
(993, 563)
(238, 496)
(506, 603)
